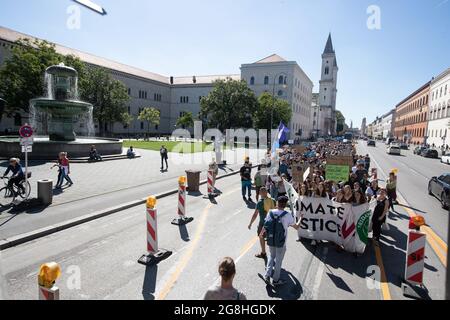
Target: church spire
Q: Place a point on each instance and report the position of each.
(329, 45)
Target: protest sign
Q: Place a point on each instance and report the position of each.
(297, 173)
(337, 173)
(340, 160)
(298, 148)
(341, 223)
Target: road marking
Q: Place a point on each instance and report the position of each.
(247, 248)
(386, 294)
(187, 256)
(319, 275)
(436, 243)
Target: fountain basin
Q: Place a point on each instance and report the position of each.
(46, 149)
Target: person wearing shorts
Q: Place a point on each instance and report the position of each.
(263, 206)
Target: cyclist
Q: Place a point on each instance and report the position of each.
(17, 174)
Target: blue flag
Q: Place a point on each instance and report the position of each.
(280, 138)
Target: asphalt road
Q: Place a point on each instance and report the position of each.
(104, 254)
(414, 174)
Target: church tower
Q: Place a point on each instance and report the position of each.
(328, 88)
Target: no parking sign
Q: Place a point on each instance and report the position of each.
(26, 131)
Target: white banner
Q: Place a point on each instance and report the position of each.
(341, 223)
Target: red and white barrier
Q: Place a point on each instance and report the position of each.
(48, 293)
(210, 182)
(152, 231)
(415, 254)
(154, 254)
(182, 219)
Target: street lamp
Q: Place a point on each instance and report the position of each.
(284, 84)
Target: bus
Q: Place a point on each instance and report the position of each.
(348, 136)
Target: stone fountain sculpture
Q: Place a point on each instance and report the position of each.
(61, 104)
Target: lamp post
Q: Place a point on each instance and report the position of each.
(284, 84)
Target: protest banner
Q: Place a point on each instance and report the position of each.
(337, 173)
(341, 223)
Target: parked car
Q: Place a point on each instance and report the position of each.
(404, 146)
(371, 143)
(439, 187)
(394, 149)
(389, 140)
(430, 153)
(418, 150)
(446, 158)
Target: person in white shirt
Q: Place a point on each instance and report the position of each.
(276, 254)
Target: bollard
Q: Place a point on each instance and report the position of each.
(412, 285)
(48, 274)
(154, 254)
(210, 182)
(182, 219)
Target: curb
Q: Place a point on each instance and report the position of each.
(36, 234)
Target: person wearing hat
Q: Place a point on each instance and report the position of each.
(246, 180)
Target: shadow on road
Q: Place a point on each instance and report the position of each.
(184, 233)
(412, 208)
(31, 206)
(149, 285)
(292, 290)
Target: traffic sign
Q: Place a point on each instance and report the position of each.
(27, 148)
(26, 141)
(26, 131)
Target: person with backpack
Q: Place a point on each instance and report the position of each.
(275, 229)
(226, 291)
(264, 205)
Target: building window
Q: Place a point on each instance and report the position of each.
(252, 81)
(327, 70)
(129, 91)
(281, 80)
(280, 93)
(142, 125)
(266, 80)
(17, 119)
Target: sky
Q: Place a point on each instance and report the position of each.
(377, 67)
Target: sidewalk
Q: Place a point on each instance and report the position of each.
(107, 184)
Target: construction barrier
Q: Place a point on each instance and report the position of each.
(182, 219)
(154, 254)
(48, 274)
(210, 182)
(415, 254)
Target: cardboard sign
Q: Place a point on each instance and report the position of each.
(340, 160)
(298, 148)
(337, 173)
(297, 173)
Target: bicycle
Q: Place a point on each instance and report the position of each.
(8, 195)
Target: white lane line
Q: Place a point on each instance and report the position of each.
(319, 275)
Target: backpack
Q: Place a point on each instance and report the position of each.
(276, 235)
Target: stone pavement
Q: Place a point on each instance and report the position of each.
(93, 179)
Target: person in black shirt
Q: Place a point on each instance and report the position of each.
(246, 180)
(164, 156)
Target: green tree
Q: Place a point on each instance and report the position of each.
(108, 96)
(231, 104)
(340, 122)
(127, 119)
(268, 106)
(186, 120)
(151, 115)
(22, 74)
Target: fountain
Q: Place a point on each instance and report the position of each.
(55, 116)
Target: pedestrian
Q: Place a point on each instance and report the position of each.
(367, 163)
(94, 155)
(164, 156)
(246, 180)
(276, 229)
(391, 188)
(225, 291)
(372, 190)
(17, 175)
(264, 205)
(320, 191)
(130, 153)
(348, 195)
(65, 164)
(260, 181)
(359, 197)
(379, 214)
